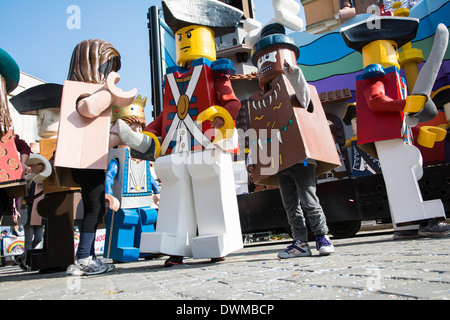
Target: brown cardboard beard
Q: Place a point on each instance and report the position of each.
(287, 133)
(272, 116)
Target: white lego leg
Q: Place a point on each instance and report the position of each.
(406, 228)
(401, 167)
(176, 216)
(219, 228)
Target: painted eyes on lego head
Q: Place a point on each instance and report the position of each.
(267, 57)
(188, 35)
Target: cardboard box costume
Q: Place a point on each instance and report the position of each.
(299, 134)
(287, 131)
(382, 123)
(60, 205)
(12, 181)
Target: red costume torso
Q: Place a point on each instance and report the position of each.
(186, 94)
(379, 107)
(10, 167)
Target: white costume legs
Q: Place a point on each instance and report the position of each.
(197, 197)
(176, 222)
(401, 165)
(219, 228)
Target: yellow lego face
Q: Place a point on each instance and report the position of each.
(194, 42)
(384, 52)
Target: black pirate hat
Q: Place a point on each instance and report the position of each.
(398, 29)
(43, 96)
(441, 97)
(218, 16)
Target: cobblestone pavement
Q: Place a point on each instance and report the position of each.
(369, 266)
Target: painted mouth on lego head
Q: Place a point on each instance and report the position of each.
(185, 48)
(266, 68)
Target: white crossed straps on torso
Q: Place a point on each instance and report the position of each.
(186, 126)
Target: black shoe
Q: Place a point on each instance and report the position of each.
(20, 261)
(173, 261)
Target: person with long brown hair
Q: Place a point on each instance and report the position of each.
(92, 61)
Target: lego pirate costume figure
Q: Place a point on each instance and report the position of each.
(130, 182)
(385, 114)
(198, 214)
(293, 142)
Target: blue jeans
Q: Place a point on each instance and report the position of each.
(298, 193)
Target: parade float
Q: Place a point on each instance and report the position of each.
(354, 192)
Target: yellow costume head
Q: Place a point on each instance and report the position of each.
(194, 42)
(384, 52)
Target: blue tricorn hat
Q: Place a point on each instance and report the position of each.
(274, 35)
(398, 29)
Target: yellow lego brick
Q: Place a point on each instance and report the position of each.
(402, 12)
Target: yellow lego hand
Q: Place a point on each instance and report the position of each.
(415, 103)
(428, 135)
(157, 143)
(227, 130)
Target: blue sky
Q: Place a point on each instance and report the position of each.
(36, 34)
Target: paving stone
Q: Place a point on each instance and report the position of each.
(370, 266)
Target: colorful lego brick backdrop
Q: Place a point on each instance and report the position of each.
(337, 65)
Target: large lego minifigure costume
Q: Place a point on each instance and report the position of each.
(198, 213)
(83, 139)
(59, 205)
(293, 141)
(286, 112)
(130, 181)
(12, 182)
(385, 114)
